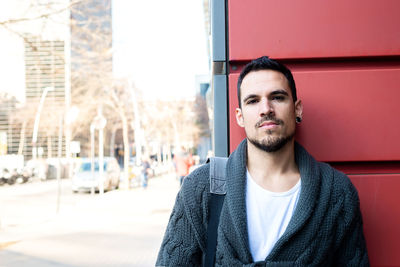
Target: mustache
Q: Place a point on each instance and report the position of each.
(269, 118)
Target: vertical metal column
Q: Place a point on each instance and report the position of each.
(219, 78)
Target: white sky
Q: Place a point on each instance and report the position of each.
(12, 65)
(11, 54)
(160, 45)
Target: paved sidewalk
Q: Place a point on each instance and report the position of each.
(120, 228)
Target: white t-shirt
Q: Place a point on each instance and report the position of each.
(268, 215)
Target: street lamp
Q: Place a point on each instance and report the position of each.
(138, 130)
(70, 117)
(92, 128)
(99, 122)
(37, 120)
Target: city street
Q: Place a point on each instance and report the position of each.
(119, 228)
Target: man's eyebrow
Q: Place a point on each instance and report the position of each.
(249, 97)
(279, 92)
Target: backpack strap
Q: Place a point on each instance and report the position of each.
(218, 191)
(217, 175)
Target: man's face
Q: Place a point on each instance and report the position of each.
(268, 113)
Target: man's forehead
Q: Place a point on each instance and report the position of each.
(261, 78)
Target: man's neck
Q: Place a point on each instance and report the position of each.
(274, 171)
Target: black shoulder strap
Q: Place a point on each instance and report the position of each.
(218, 191)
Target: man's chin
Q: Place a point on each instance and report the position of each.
(271, 144)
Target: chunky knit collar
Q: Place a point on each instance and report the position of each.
(234, 211)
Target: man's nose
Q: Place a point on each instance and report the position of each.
(265, 108)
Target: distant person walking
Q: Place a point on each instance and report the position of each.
(183, 161)
(145, 172)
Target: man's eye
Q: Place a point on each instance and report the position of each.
(278, 97)
(251, 101)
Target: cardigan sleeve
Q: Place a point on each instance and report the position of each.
(179, 246)
(352, 250)
(183, 241)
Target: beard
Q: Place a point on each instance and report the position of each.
(271, 144)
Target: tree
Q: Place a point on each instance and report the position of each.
(168, 123)
(172, 123)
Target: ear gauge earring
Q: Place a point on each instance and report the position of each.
(298, 119)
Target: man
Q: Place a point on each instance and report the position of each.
(183, 161)
(282, 208)
(145, 171)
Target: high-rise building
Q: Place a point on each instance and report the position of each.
(7, 106)
(44, 68)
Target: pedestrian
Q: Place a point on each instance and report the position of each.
(145, 172)
(183, 161)
(282, 207)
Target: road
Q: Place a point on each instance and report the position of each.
(119, 228)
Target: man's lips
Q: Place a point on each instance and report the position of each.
(268, 124)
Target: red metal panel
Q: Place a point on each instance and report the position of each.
(380, 198)
(313, 28)
(349, 115)
(382, 167)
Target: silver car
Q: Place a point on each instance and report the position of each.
(84, 180)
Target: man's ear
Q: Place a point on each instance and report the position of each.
(239, 117)
(298, 108)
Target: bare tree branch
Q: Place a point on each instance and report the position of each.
(41, 16)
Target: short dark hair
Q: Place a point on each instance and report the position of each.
(265, 63)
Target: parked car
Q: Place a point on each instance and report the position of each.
(84, 180)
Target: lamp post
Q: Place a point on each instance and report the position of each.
(37, 120)
(138, 130)
(70, 117)
(99, 122)
(92, 128)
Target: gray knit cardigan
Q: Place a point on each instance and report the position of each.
(325, 229)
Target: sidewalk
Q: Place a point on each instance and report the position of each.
(119, 228)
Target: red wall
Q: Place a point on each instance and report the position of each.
(345, 57)
(313, 28)
(380, 207)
